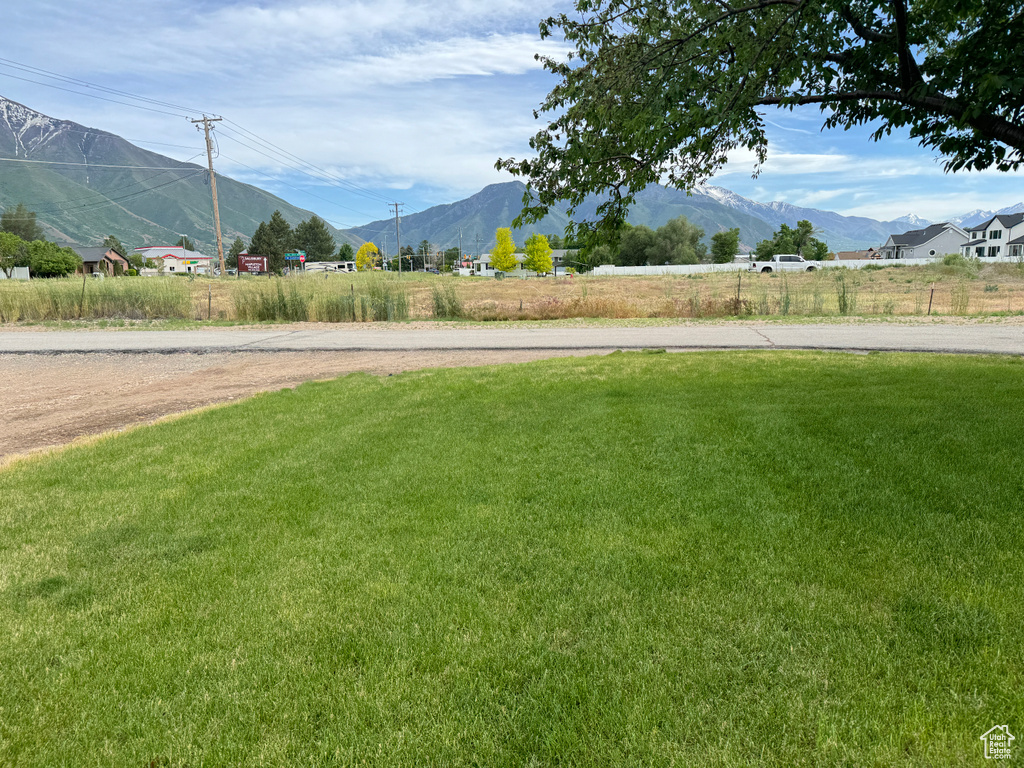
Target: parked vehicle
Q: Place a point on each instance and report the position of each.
(783, 262)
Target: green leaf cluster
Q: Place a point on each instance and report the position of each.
(800, 240)
(503, 254)
(538, 255)
(662, 91)
(43, 258)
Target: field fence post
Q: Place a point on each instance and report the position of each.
(930, 297)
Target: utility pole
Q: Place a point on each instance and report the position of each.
(385, 251)
(460, 247)
(213, 184)
(398, 233)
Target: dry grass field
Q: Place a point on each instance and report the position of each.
(945, 290)
(995, 289)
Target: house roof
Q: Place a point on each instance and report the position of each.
(982, 241)
(172, 251)
(485, 258)
(916, 237)
(98, 254)
(1007, 220)
(854, 254)
(1017, 241)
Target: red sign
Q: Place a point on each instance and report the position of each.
(247, 263)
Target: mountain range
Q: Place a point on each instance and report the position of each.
(712, 208)
(85, 184)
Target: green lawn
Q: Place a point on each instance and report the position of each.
(756, 558)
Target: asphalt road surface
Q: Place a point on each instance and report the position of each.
(995, 338)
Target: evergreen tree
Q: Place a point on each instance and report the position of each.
(346, 252)
(281, 231)
(231, 260)
(113, 243)
(313, 237)
(263, 243)
(21, 221)
(185, 243)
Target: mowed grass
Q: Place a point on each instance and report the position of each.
(732, 559)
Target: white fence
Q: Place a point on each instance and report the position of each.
(740, 266)
(669, 269)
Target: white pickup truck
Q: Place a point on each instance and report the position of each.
(783, 262)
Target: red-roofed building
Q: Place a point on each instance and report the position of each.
(176, 259)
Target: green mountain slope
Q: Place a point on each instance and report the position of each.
(477, 216)
(498, 204)
(154, 202)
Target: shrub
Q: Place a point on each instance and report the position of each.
(446, 302)
(955, 264)
(339, 308)
(846, 292)
(388, 301)
(69, 299)
(263, 301)
(960, 299)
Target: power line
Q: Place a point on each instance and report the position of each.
(111, 191)
(299, 189)
(28, 68)
(92, 95)
(59, 208)
(95, 165)
(297, 169)
(327, 174)
(321, 173)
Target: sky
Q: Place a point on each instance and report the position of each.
(398, 100)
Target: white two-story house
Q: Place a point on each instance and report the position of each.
(1001, 235)
(934, 241)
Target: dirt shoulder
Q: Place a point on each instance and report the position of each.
(51, 400)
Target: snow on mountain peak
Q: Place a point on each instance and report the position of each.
(29, 128)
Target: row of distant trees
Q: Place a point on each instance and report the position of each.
(22, 245)
(276, 237)
(680, 241)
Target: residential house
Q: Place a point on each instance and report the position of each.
(934, 241)
(870, 253)
(101, 259)
(482, 265)
(999, 236)
(176, 259)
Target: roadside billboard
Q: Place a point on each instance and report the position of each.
(252, 264)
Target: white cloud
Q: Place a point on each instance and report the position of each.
(409, 94)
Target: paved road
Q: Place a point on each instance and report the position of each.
(973, 338)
